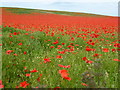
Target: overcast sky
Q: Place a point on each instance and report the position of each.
(51, 1)
(103, 7)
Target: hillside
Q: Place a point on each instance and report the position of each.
(25, 11)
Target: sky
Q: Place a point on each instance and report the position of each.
(103, 7)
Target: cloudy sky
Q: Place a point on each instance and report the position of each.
(103, 7)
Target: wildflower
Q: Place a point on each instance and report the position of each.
(64, 74)
(59, 46)
(24, 52)
(64, 66)
(24, 84)
(51, 46)
(88, 49)
(10, 36)
(9, 51)
(32, 71)
(105, 50)
(55, 42)
(89, 61)
(15, 54)
(25, 67)
(1, 86)
(56, 88)
(19, 43)
(95, 55)
(116, 60)
(84, 84)
(84, 58)
(26, 33)
(58, 56)
(14, 33)
(47, 60)
(38, 79)
(113, 50)
(27, 75)
(61, 52)
(17, 87)
(117, 45)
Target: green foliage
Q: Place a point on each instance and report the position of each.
(39, 48)
(29, 11)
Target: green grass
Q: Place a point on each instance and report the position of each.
(29, 11)
(13, 66)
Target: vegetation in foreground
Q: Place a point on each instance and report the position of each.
(38, 60)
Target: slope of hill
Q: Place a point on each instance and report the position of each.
(25, 11)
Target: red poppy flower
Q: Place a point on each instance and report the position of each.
(47, 60)
(118, 49)
(84, 58)
(32, 71)
(10, 36)
(24, 84)
(59, 46)
(58, 56)
(62, 71)
(19, 43)
(25, 52)
(15, 54)
(113, 50)
(84, 84)
(56, 88)
(69, 46)
(1, 86)
(26, 33)
(116, 60)
(40, 74)
(64, 66)
(105, 50)
(95, 55)
(51, 46)
(58, 37)
(64, 74)
(92, 43)
(117, 45)
(90, 40)
(17, 87)
(9, 51)
(14, 33)
(0, 82)
(48, 40)
(67, 78)
(63, 43)
(61, 52)
(72, 38)
(56, 42)
(89, 61)
(27, 75)
(38, 79)
(25, 67)
(76, 45)
(88, 49)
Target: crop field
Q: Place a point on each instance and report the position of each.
(58, 49)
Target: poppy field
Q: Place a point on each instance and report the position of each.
(57, 49)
